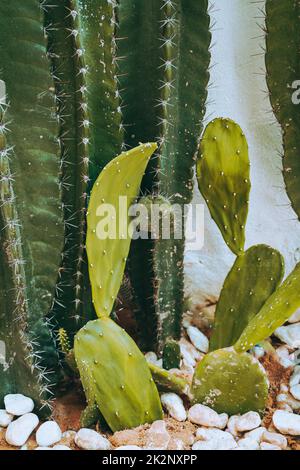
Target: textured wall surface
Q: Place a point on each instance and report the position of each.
(238, 90)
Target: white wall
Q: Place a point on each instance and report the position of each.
(238, 90)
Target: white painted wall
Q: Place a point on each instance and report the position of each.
(238, 90)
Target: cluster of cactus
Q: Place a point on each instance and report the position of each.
(63, 111)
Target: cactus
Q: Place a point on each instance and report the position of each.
(32, 235)
(82, 50)
(113, 371)
(253, 278)
(223, 177)
(171, 355)
(282, 65)
(164, 93)
(276, 311)
(107, 257)
(230, 382)
(115, 375)
(168, 382)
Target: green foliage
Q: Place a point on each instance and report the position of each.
(223, 173)
(255, 275)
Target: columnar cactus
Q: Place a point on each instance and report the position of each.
(282, 65)
(164, 92)
(31, 216)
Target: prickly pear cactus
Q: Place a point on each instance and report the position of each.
(230, 383)
(82, 49)
(164, 93)
(283, 74)
(276, 311)
(223, 173)
(107, 256)
(115, 375)
(255, 275)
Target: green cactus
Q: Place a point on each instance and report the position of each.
(82, 49)
(171, 355)
(282, 65)
(115, 375)
(224, 180)
(164, 93)
(167, 381)
(113, 371)
(230, 383)
(107, 257)
(253, 278)
(33, 230)
(276, 311)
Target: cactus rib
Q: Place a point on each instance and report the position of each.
(223, 172)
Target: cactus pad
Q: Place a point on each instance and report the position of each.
(107, 256)
(223, 173)
(253, 278)
(230, 383)
(167, 381)
(116, 376)
(276, 311)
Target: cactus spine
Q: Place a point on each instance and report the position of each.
(283, 74)
(164, 94)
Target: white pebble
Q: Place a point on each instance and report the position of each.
(295, 391)
(214, 439)
(295, 318)
(205, 416)
(231, 425)
(48, 434)
(157, 436)
(61, 447)
(174, 405)
(287, 423)
(284, 356)
(275, 439)
(287, 399)
(248, 444)
(18, 405)
(295, 377)
(248, 422)
(267, 446)
(5, 418)
(19, 430)
(289, 335)
(128, 448)
(43, 448)
(198, 339)
(256, 434)
(87, 439)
